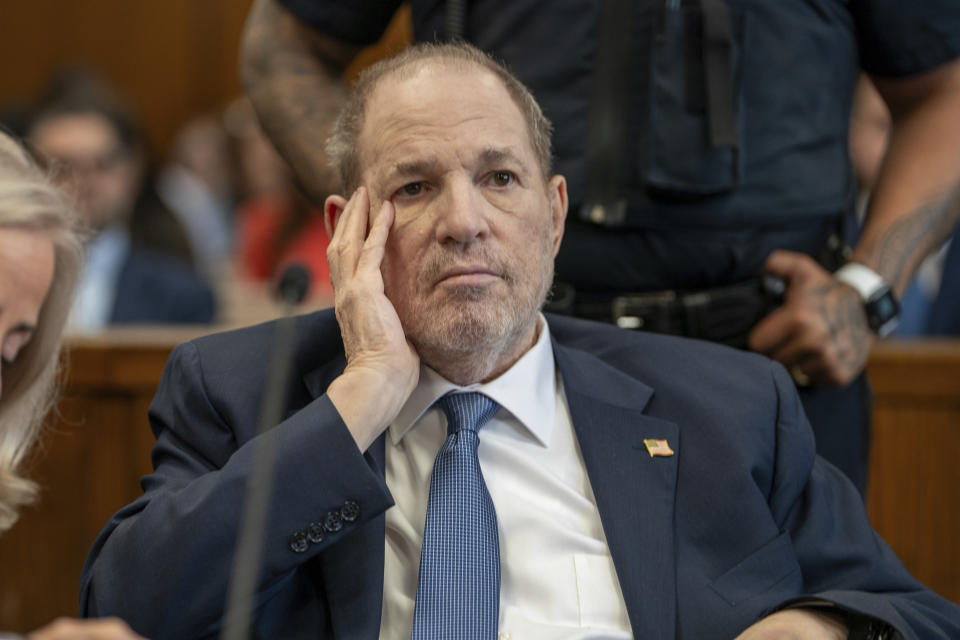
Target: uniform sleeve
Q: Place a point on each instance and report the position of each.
(904, 37)
(842, 559)
(164, 562)
(359, 22)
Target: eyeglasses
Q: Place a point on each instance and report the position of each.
(66, 166)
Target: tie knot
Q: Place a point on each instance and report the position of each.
(467, 410)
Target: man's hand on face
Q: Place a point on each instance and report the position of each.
(796, 624)
(820, 333)
(382, 366)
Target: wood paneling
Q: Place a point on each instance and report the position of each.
(88, 465)
(914, 495)
(173, 59)
(91, 461)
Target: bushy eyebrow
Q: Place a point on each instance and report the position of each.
(414, 168)
(493, 156)
(489, 156)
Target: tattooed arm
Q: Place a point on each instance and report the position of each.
(910, 214)
(292, 75)
(821, 332)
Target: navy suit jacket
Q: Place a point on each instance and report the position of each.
(155, 289)
(742, 520)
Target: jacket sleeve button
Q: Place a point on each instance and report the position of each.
(315, 532)
(298, 542)
(333, 522)
(350, 511)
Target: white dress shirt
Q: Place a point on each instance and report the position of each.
(97, 289)
(204, 217)
(557, 575)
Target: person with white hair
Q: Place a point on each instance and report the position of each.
(40, 259)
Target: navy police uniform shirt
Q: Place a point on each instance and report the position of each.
(697, 214)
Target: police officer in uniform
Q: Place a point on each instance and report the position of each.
(705, 147)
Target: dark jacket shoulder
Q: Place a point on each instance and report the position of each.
(153, 288)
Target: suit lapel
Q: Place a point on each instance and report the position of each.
(352, 570)
(634, 494)
(634, 491)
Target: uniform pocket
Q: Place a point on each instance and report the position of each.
(695, 100)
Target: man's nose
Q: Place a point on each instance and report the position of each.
(462, 214)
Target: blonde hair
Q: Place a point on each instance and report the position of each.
(29, 201)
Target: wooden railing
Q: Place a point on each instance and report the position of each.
(92, 458)
(913, 497)
(88, 465)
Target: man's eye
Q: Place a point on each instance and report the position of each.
(502, 178)
(412, 189)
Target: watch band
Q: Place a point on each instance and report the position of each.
(863, 279)
(879, 303)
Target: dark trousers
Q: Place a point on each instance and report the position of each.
(841, 423)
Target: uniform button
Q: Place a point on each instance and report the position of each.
(298, 542)
(333, 522)
(350, 511)
(315, 532)
(503, 636)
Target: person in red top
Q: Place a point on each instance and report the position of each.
(275, 225)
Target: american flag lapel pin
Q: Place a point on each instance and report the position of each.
(658, 447)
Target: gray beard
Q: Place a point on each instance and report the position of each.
(473, 335)
(468, 341)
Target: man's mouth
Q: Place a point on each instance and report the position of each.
(470, 275)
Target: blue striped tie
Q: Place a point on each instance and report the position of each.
(458, 595)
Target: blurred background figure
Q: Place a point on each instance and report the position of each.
(40, 260)
(139, 260)
(944, 317)
(198, 187)
(275, 224)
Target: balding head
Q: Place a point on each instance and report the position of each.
(343, 145)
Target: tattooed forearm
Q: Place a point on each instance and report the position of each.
(898, 250)
(293, 79)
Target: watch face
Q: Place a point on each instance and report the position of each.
(882, 312)
(886, 307)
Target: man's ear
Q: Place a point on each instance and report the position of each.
(332, 208)
(557, 193)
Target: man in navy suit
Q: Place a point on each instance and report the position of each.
(644, 486)
(137, 268)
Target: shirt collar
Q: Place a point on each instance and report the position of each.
(527, 390)
(107, 250)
